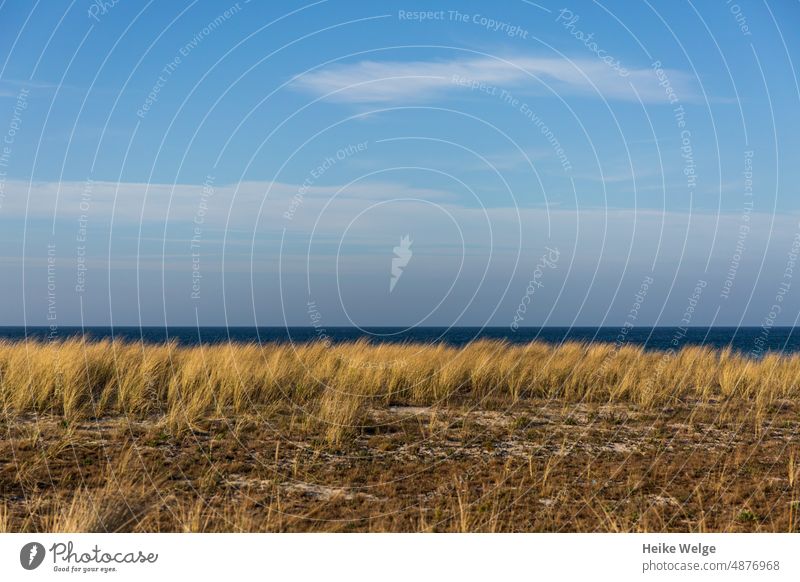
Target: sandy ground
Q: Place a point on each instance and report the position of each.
(537, 466)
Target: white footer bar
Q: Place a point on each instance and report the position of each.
(389, 557)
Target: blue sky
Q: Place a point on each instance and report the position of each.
(227, 163)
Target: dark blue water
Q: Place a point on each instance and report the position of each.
(754, 340)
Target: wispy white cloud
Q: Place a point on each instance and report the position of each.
(403, 81)
(367, 215)
(235, 204)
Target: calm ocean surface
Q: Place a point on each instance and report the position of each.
(744, 339)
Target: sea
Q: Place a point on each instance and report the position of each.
(748, 340)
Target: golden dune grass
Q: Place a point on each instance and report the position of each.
(334, 383)
(183, 426)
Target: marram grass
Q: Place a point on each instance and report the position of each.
(76, 378)
(115, 436)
